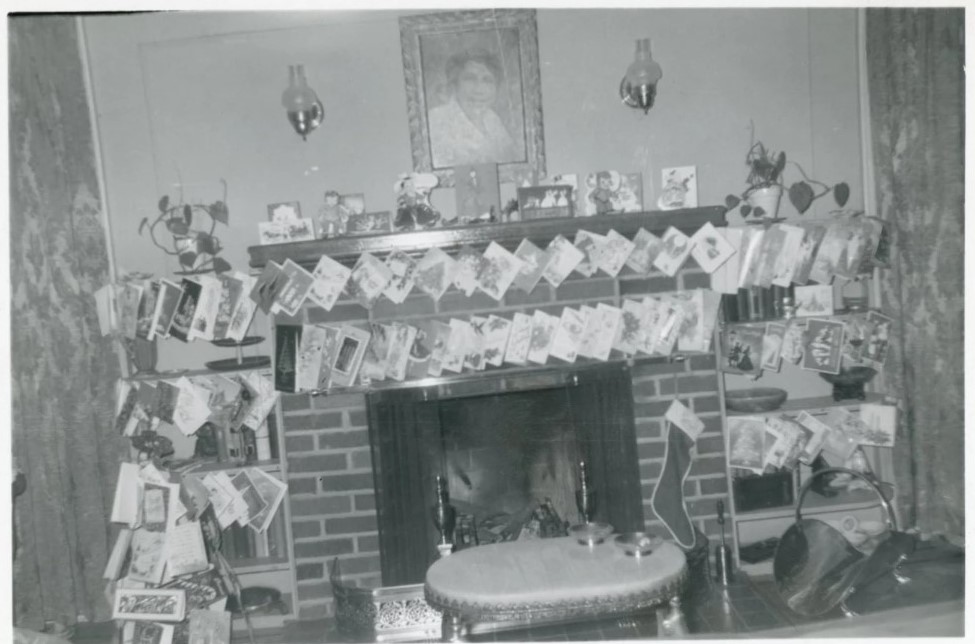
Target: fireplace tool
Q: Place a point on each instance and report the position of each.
(723, 573)
(444, 517)
(585, 496)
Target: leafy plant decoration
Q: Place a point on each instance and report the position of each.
(196, 248)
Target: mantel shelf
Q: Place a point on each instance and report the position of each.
(540, 231)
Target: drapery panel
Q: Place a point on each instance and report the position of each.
(63, 370)
(917, 94)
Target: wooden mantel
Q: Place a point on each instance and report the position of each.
(540, 232)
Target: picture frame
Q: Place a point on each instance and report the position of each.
(369, 223)
(545, 202)
(474, 40)
(150, 604)
(284, 211)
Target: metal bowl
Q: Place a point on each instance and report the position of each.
(754, 400)
(637, 544)
(589, 534)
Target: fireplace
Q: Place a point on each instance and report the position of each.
(506, 444)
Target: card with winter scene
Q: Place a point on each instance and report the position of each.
(814, 300)
(466, 269)
(772, 346)
(207, 308)
(608, 191)
(368, 279)
(568, 335)
(746, 443)
(785, 264)
(351, 347)
(533, 263)
(400, 345)
(147, 307)
(402, 267)
(678, 188)
(741, 348)
(496, 339)
(813, 233)
(877, 342)
(474, 357)
(709, 248)
(880, 422)
(330, 278)
(519, 339)
(434, 273)
(822, 345)
(375, 360)
(590, 244)
(632, 327)
(773, 243)
(293, 295)
(603, 329)
(542, 336)
(646, 247)
(615, 251)
(564, 257)
(456, 350)
(793, 342)
(498, 270)
(676, 248)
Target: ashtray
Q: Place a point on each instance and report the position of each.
(589, 534)
(637, 544)
(755, 400)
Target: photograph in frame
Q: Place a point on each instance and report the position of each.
(150, 604)
(478, 65)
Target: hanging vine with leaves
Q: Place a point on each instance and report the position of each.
(191, 228)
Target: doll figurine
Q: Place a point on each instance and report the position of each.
(413, 209)
(332, 217)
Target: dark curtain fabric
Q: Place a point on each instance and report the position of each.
(602, 408)
(406, 446)
(63, 371)
(917, 99)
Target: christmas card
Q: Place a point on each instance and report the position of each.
(330, 277)
(590, 244)
(498, 270)
(466, 269)
(542, 336)
(267, 287)
(351, 347)
(474, 357)
(368, 279)
(812, 237)
(816, 433)
(243, 313)
(877, 341)
(519, 339)
(746, 443)
(568, 335)
(400, 345)
(310, 351)
(741, 348)
(814, 300)
(709, 248)
(428, 349)
(632, 327)
(725, 278)
(456, 350)
(786, 264)
(773, 244)
(564, 258)
(168, 299)
(434, 273)
(823, 343)
(605, 326)
(287, 337)
(615, 251)
(751, 250)
(496, 339)
(533, 263)
(676, 248)
(294, 292)
(376, 359)
(772, 346)
(646, 247)
(147, 308)
(402, 267)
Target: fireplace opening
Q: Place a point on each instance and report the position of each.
(509, 447)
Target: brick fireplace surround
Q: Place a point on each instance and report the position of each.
(330, 476)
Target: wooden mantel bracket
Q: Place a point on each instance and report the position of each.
(540, 232)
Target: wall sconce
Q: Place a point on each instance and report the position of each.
(305, 111)
(639, 86)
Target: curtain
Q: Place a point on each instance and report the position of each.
(916, 89)
(63, 371)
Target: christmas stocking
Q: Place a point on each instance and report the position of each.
(668, 496)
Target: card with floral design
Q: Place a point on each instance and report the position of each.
(616, 251)
(568, 336)
(426, 355)
(772, 346)
(709, 248)
(400, 344)
(466, 268)
(543, 334)
(519, 339)
(632, 327)
(533, 263)
(564, 257)
(878, 339)
(456, 349)
(646, 247)
(330, 278)
(823, 343)
(368, 279)
(676, 248)
(591, 245)
(474, 358)
(498, 270)
(434, 273)
(403, 270)
(603, 328)
(496, 339)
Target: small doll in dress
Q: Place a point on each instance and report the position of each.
(333, 217)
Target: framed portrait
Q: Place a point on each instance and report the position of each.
(473, 92)
(286, 211)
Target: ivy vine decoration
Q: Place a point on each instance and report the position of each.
(190, 227)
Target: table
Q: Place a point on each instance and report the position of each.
(544, 579)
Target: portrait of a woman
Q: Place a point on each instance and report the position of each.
(468, 126)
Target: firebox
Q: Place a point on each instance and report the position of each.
(507, 446)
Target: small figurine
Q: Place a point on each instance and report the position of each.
(333, 216)
(413, 209)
